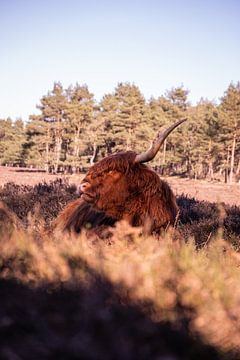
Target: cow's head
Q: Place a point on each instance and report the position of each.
(117, 179)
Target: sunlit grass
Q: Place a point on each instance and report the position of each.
(173, 276)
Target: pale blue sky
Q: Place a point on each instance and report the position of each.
(155, 44)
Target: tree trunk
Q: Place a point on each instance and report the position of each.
(232, 158)
(210, 170)
(94, 155)
(238, 168)
(76, 142)
(58, 152)
(227, 166)
(58, 145)
(129, 138)
(47, 150)
(210, 161)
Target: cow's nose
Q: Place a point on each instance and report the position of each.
(82, 187)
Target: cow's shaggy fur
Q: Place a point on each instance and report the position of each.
(119, 188)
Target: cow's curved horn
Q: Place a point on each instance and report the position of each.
(156, 144)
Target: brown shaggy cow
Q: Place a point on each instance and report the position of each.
(121, 187)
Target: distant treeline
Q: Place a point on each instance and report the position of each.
(73, 130)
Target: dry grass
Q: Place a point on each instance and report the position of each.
(206, 190)
(170, 282)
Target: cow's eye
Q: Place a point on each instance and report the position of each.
(114, 174)
(85, 180)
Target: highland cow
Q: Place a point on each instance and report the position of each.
(121, 187)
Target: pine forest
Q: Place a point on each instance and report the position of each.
(73, 130)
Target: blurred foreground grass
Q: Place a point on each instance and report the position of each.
(130, 297)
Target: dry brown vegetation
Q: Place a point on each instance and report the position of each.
(129, 297)
(136, 298)
(207, 191)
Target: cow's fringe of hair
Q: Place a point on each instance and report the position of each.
(121, 161)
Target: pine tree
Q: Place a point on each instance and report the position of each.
(39, 145)
(178, 96)
(172, 107)
(53, 108)
(12, 139)
(202, 147)
(123, 118)
(80, 114)
(230, 105)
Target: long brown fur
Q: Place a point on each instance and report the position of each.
(78, 215)
(138, 196)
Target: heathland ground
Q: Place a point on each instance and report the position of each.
(198, 189)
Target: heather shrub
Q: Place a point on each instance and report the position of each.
(47, 199)
(137, 297)
(200, 220)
